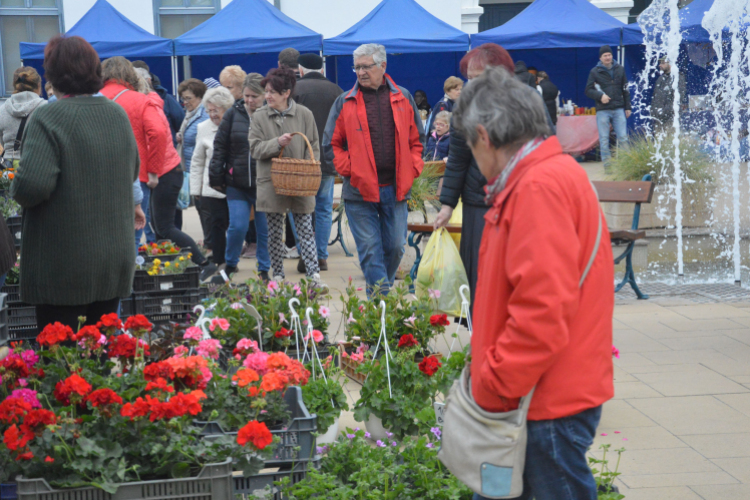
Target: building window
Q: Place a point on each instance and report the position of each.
(497, 14)
(33, 21)
(175, 17)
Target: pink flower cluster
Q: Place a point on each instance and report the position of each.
(257, 361)
(209, 348)
(28, 395)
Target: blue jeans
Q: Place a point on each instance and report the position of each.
(324, 215)
(556, 466)
(150, 236)
(239, 203)
(379, 230)
(619, 123)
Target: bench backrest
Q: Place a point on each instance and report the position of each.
(625, 191)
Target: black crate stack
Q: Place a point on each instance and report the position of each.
(166, 297)
(19, 316)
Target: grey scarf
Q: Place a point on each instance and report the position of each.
(501, 180)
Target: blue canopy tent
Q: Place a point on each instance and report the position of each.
(112, 34)
(561, 37)
(423, 50)
(249, 33)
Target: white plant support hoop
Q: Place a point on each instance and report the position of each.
(465, 313)
(252, 311)
(314, 356)
(295, 325)
(384, 338)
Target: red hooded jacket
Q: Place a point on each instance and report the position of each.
(347, 143)
(533, 325)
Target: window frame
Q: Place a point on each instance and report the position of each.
(186, 9)
(28, 11)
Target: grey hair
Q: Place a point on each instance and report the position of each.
(375, 50)
(510, 111)
(219, 97)
(308, 70)
(444, 115)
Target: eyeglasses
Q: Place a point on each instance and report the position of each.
(366, 67)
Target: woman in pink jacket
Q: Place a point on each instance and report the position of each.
(160, 163)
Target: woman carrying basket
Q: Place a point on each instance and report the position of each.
(270, 135)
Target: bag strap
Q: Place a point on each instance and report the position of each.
(19, 134)
(118, 95)
(596, 243)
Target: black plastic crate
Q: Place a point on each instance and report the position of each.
(263, 485)
(165, 282)
(164, 257)
(161, 303)
(14, 224)
(14, 293)
(4, 334)
(127, 308)
(21, 316)
(297, 439)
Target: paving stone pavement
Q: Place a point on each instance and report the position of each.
(682, 384)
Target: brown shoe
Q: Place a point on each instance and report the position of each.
(323, 264)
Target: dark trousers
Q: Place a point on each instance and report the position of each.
(556, 465)
(68, 315)
(163, 208)
(205, 215)
(218, 211)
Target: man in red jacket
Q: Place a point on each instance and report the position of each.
(374, 138)
(545, 292)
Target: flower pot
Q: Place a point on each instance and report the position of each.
(375, 427)
(331, 434)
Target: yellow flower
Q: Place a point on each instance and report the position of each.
(157, 262)
(182, 259)
(167, 264)
(151, 273)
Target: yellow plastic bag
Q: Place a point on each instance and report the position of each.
(441, 269)
(457, 220)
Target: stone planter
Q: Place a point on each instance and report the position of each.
(696, 210)
(331, 434)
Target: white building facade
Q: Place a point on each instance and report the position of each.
(39, 20)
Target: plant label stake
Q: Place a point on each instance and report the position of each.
(295, 325)
(252, 311)
(465, 313)
(439, 412)
(384, 338)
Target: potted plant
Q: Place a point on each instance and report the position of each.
(325, 397)
(96, 415)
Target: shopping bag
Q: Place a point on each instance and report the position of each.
(441, 269)
(183, 200)
(456, 220)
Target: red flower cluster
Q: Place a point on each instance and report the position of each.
(138, 323)
(407, 340)
(88, 337)
(110, 323)
(179, 405)
(439, 320)
(13, 409)
(12, 368)
(35, 421)
(191, 372)
(159, 384)
(158, 370)
(54, 334)
(430, 365)
(291, 371)
(72, 390)
(283, 333)
(256, 433)
(123, 346)
(103, 397)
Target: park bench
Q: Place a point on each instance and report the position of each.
(338, 210)
(636, 192)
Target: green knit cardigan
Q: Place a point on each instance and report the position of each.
(79, 160)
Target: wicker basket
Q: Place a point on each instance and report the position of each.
(294, 177)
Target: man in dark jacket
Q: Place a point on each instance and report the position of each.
(173, 110)
(662, 105)
(549, 94)
(318, 94)
(608, 86)
(523, 75)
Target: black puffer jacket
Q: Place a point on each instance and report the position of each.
(523, 75)
(615, 85)
(462, 176)
(232, 152)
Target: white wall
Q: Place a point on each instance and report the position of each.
(141, 12)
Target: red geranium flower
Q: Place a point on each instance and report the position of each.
(139, 408)
(25, 456)
(110, 323)
(256, 433)
(13, 408)
(37, 420)
(439, 320)
(407, 340)
(54, 334)
(283, 333)
(274, 381)
(72, 389)
(89, 337)
(158, 370)
(123, 346)
(138, 323)
(159, 384)
(103, 397)
(429, 365)
(15, 439)
(49, 459)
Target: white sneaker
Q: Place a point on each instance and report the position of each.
(318, 283)
(291, 253)
(279, 279)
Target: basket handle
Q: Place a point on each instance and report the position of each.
(309, 146)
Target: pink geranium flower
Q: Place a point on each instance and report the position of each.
(257, 361)
(324, 311)
(615, 352)
(434, 294)
(209, 348)
(180, 351)
(316, 335)
(236, 305)
(193, 333)
(220, 322)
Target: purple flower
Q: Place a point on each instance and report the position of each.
(321, 449)
(350, 436)
(27, 395)
(437, 432)
(430, 445)
(380, 444)
(367, 435)
(389, 434)
(30, 358)
(394, 443)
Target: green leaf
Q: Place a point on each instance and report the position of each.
(180, 469)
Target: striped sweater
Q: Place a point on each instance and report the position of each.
(78, 162)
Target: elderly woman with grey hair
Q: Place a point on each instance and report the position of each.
(545, 292)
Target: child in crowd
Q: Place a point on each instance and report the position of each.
(437, 144)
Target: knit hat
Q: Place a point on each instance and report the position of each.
(211, 83)
(310, 61)
(604, 49)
